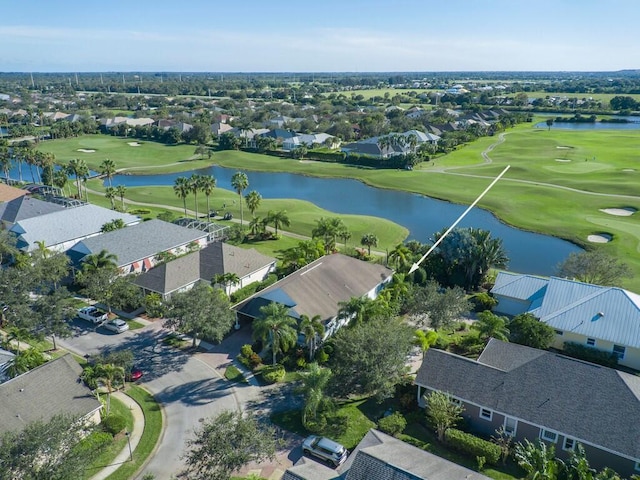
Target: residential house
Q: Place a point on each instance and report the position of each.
(8, 193)
(535, 394)
(51, 389)
(319, 288)
(217, 258)
(308, 140)
(605, 318)
(379, 456)
(219, 128)
(6, 357)
(24, 207)
(60, 230)
(180, 126)
(109, 123)
(140, 247)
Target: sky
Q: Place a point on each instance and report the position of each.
(318, 36)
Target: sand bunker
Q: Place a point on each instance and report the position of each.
(86, 150)
(628, 170)
(562, 160)
(134, 144)
(563, 147)
(620, 212)
(600, 238)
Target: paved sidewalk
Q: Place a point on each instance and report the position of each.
(134, 436)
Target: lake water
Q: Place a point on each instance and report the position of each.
(423, 216)
(632, 124)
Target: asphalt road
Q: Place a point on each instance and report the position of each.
(189, 386)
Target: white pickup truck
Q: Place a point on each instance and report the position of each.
(92, 314)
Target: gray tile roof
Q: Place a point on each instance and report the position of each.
(25, 207)
(594, 404)
(48, 390)
(137, 242)
(66, 225)
(319, 287)
(308, 469)
(216, 258)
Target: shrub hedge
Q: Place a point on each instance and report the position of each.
(273, 373)
(114, 423)
(472, 445)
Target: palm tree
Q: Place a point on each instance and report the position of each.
(240, 182)
(61, 179)
(227, 279)
(369, 240)
(98, 261)
(278, 219)
(194, 187)
(181, 189)
(110, 374)
(111, 193)
(329, 229)
(5, 161)
(257, 225)
(46, 161)
(121, 190)
(18, 335)
(491, 325)
(312, 329)
(253, 200)
(108, 169)
(314, 383)
(355, 310)
(207, 185)
(276, 328)
(24, 361)
(400, 255)
(78, 167)
(424, 340)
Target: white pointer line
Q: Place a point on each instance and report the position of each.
(415, 266)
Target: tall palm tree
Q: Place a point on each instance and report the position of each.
(312, 329)
(369, 240)
(5, 161)
(207, 185)
(275, 328)
(121, 190)
(47, 160)
(108, 169)
(228, 280)
(181, 189)
(328, 229)
(98, 261)
(278, 219)
(314, 383)
(240, 182)
(253, 199)
(111, 193)
(60, 179)
(257, 225)
(110, 374)
(194, 187)
(78, 167)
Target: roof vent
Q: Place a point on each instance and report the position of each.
(601, 314)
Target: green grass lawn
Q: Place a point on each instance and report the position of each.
(150, 436)
(110, 452)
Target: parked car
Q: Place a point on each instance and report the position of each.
(134, 374)
(227, 216)
(92, 314)
(117, 325)
(213, 213)
(331, 452)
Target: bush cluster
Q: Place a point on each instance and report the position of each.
(473, 446)
(393, 424)
(114, 423)
(249, 358)
(590, 354)
(273, 373)
(248, 290)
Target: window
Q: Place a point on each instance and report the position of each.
(569, 443)
(510, 426)
(486, 414)
(559, 332)
(548, 435)
(637, 466)
(591, 342)
(618, 351)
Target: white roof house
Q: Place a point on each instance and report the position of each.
(606, 318)
(62, 229)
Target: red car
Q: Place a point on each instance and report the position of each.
(134, 375)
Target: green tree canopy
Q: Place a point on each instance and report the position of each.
(528, 330)
(201, 312)
(594, 266)
(275, 328)
(435, 306)
(442, 412)
(370, 358)
(226, 443)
